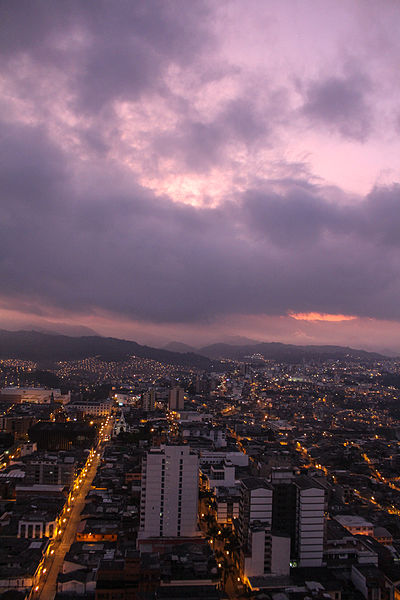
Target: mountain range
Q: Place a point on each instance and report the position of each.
(48, 348)
(286, 352)
(276, 351)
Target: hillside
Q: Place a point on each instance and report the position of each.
(287, 352)
(43, 347)
(46, 347)
(179, 347)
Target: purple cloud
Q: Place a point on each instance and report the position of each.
(120, 116)
(107, 242)
(111, 52)
(340, 103)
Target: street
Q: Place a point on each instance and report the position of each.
(45, 586)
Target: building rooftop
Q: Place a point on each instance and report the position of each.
(254, 483)
(306, 483)
(353, 521)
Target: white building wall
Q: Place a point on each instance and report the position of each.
(169, 493)
(280, 555)
(256, 507)
(254, 564)
(310, 526)
(227, 481)
(261, 505)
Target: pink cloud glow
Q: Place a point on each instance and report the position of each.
(314, 316)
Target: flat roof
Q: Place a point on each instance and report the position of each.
(353, 521)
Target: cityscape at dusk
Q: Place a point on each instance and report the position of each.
(200, 300)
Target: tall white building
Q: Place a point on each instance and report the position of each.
(264, 551)
(310, 519)
(169, 494)
(255, 521)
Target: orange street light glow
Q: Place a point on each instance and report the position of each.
(314, 316)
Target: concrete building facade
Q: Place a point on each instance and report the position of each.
(169, 493)
(310, 519)
(176, 399)
(255, 522)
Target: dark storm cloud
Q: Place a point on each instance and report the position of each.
(79, 239)
(29, 177)
(288, 220)
(301, 214)
(340, 103)
(110, 51)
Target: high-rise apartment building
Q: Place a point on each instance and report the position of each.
(310, 521)
(169, 494)
(280, 524)
(255, 522)
(149, 400)
(176, 398)
(299, 511)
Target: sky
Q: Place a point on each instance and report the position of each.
(197, 171)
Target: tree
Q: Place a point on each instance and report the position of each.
(212, 532)
(227, 569)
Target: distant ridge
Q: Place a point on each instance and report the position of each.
(70, 330)
(50, 347)
(179, 347)
(287, 352)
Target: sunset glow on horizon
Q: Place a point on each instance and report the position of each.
(314, 316)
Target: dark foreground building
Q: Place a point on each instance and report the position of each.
(62, 436)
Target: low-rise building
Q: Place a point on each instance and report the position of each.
(355, 524)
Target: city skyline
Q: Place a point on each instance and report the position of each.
(197, 171)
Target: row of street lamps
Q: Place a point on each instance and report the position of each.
(65, 514)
